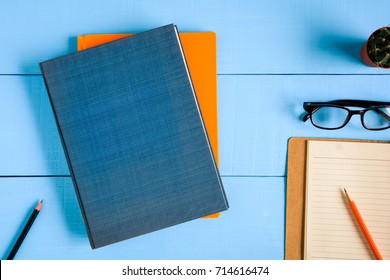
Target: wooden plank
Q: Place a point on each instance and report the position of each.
(253, 227)
(257, 116)
(29, 143)
(254, 36)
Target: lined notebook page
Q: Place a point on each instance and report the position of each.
(331, 231)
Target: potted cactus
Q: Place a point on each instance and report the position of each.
(376, 51)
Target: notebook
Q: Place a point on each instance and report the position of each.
(133, 135)
(296, 192)
(331, 230)
(200, 49)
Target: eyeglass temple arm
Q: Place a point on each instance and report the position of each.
(360, 103)
(307, 116)
(383, 114)
(367, 104)
(386, 116)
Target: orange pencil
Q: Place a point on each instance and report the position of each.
(363, 227)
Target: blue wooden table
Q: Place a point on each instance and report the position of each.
(272, 56)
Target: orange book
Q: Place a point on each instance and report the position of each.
(200, 49)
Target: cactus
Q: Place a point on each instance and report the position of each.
(378, 47)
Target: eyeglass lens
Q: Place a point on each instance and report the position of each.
(329, 117)
(377, 118)
(335, 117)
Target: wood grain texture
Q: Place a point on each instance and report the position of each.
(257, 116)
(251, 229)
(254, 36)
(29, 143)
(258, 112)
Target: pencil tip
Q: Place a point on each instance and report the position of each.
(347, 195)
(39, 206)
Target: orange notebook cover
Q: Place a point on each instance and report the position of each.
(200, 49)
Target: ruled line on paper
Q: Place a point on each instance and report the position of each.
(351, 180)
(353, 158)
(331, 232)
(338, 258)
(353, 165)
(358, 173)
(331, 166)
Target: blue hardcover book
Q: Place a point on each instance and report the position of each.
(133, 135)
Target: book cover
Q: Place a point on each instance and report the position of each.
(133, 135)
(200, 49)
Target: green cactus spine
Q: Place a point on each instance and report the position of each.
(378, 47)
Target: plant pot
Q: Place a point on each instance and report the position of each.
(376, 51)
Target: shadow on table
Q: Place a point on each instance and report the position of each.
(51, 147)
(348, 47)
(19, 231)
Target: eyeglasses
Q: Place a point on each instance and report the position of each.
(336, 114)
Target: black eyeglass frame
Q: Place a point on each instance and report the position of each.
(312, 107)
